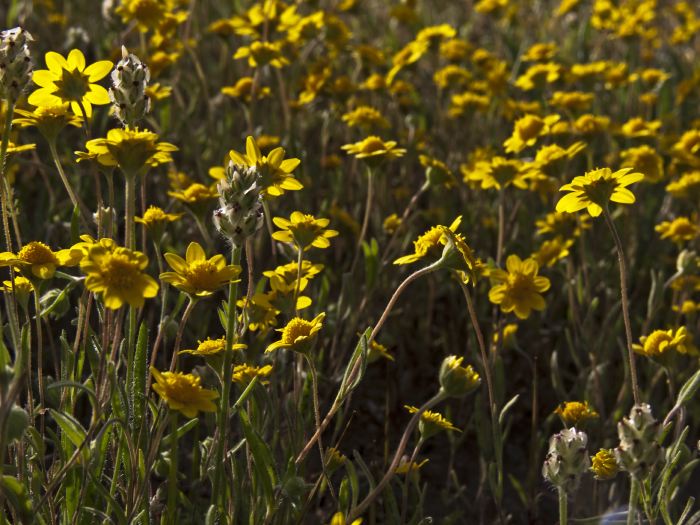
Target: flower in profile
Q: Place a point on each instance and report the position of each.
(604, 465)
(244, 374)
(687, 149)
(374, 148)
(377, 350)
(562, 225)
(431, 423)
(305, 231)
(21, 287)
(430, 244)
(37, 260)
(211, 347)
(129, 148)
(70, 80)
(148, 14)
(407, 467)
(679, 230)
(574, 412)
(596, 188)
(49, 120)
(195, 194)
(259, 312)
(527, 130)
(273, 169)
(118, 274)
(552, 251)
(183, 392)
(243, 90)
(638, 127)
(659, 342)
(391, 223)
(339, 519)
(686, 187)
(298, 335)
(518, 288)
(457, 380)
(644, 159)
(196, 275)
(154, 217)
(261, 53)
(365, 117)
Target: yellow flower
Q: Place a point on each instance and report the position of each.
(549, 160)
(21, 288)
(638, 127)
(304, 231)
(457, 380)
(157, 92)
(210, 347)
(284, 278)
(687, 149)
(195, 193)
(244, 374)
(497, 173)
(519, 288)
(339, 518)
(117, 273)
(572, 100)
(604, 465)
(130, 148)
(405, 467)
(509, 336)
(431, 423)
(391, 223)
(657, 343)
(243, 89)
(527, 130)
(377, 350)
(183, 392)
(686, 187)
(552, 251)
(430, 244)
(538, 75)
(49, 120)
(573, 412)
(275, 171)
(261, 53)
(299, 334)
(591, 124)
(69, 80)
(196, 275)
(40, 260)
(594, 189)
(373, 147)
(16, 148)
(646, 160)
(259, 312)
(365, 117)
(563, 225)
(680, 230)
(540, 52)
(155, 217)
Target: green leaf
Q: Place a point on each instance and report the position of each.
(71, 428)
(15, 495)
(263, 461)
(137, 389)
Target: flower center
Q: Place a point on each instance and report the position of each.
(203, 275)
(154, 215)
(521, 286)
(653, 342)
(295, 329)
(119, 271)
(181, 387)
(72, 86)
(372, 144)
(37, 253)
(211, 346)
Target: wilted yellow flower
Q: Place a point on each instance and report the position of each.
(431, 423)
(377, 350)
(430, 244)
(596, 188)
(574, 412)
(39, 260)
(196, 275)
(305, 231)
(183, 392)
(604, 465)
(518, 289)
(70, 81)
(299, 334)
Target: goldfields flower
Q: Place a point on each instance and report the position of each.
(244, 374)
(686, 187)
(409, 467)
(550, 159)
(596, 188)
(21, 287)
(298, 335)
(573, 412)
(274, 170)
(365, 117)
(391, 223)
(563, 225)
(148, 14)
(195, 194)
(243, 90)
(377, 350)
(552, 251)
(259, 312)
(129, 148)
(17, 148)
(679, 230)
(457, 380)
(604, 465)
(572, 100)
(339, 519)
(69, 80)
(431, 423)
(657, 343)
(49, 120)
(687, 149)
(284, 278)
(638, 127)
(527, 130)
(261, 53)
(519, 288)
(183, 392)
(117, 273)
(196, 275)
(374, 148)
(304, 231)
(644, 159)
(430, 244)
(210, 347)
(538, 75)
(154, 217)
(498, 173)
(509, 335)
(36, 259)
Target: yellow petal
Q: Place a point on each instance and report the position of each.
(98, 70)
(252, 150)
(195, 253)
(44, 78)
(97, 95)
(76, 60)
(622, 196)
(55, 62)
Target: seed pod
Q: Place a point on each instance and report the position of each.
(15, 63)
(567, 459)
(128, 92)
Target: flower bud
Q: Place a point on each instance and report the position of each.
(456, 380)
(128, 92)
(15, 63)
(639, 447)
(567, 459)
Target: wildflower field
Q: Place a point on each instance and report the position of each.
(350, 262)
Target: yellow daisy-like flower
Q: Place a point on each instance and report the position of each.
(305, 231)
(687, 149)
(70, 80)
(21, 288)
(644, 159)
(552, 251)
(259, 312)
(497, 173)
(183, 392)
(243, 89)
(680, 230)
(409, 467)
(130, 148)
(594, 189)
(299, 334)
(686, 187)
(155, 217)
(117, 273)
(195, 193)
(391, 223)
(457, 380)
(261, 53)
(366, 117)
(284, 278)
(657, 343)
(210, 347)
(604, 465)
(39, 260)
(49, 120)
(430, 244)
(244, 374)
(374, 148)
(148, 14)
(563, 225)
(527, 130)
(519, 288)
(431, 423)
(638, 127)
(339, 518)
(275, 171)
(573, 412)
(196, 275)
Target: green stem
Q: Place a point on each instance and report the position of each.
(172, 472)
(563, 513)
(300, 260)
(501, 225)
(77, 203)
(222, 423)
(625, 304)
(634, 496)
(129, 210)
(365, 220)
